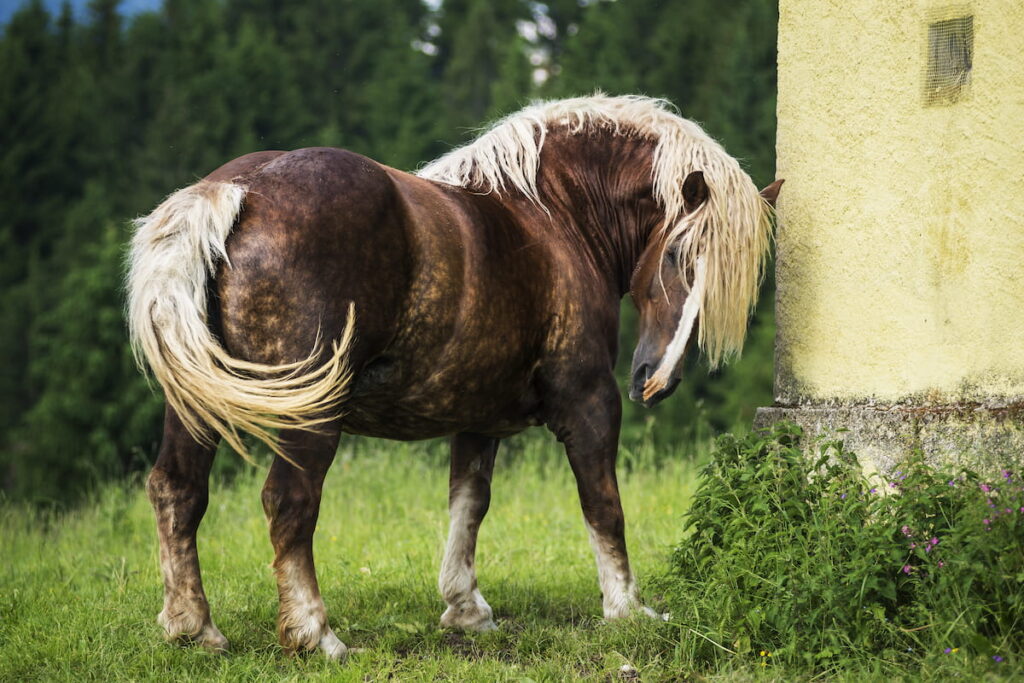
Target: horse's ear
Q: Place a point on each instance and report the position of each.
(771, 193)
(695, 190)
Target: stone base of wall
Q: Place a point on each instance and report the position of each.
(985, 439)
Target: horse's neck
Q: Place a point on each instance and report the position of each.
(597, 189)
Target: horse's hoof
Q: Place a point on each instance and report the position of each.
(473, 618)
(332, 647)
(213, 640)
(190, 629)
(638, 610)
(296, 641)
(650, 613)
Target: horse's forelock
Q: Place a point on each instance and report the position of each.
(731, 229)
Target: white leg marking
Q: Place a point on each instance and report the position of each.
(303, 619)
(618, 587)
(467, 608)
(186, 613)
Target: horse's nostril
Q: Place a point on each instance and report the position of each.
(642, 374)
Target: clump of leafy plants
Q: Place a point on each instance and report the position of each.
(790, 559)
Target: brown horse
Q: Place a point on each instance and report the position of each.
(317, 292)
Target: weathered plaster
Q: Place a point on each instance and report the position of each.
(901, 238)
(985, 439)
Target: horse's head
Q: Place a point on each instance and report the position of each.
(668, 287)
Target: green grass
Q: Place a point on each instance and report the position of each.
(79, 593)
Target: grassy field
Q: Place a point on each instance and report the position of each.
(79, 593)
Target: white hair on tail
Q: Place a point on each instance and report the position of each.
(174, 251)
(731, 229)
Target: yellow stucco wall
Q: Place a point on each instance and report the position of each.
(901, 238)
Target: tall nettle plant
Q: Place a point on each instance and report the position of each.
(790, 559)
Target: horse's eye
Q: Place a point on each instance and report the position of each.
(672, 256)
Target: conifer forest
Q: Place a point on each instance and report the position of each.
(106, 110)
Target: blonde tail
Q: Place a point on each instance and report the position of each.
(174, 251)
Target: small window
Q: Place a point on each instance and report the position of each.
(950, 55)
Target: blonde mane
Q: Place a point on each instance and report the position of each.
(731, 229)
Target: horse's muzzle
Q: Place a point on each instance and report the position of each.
(636, 387)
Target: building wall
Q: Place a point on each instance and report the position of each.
(901, 238)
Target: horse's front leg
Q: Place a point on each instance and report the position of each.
(178, 487)
(589, 428)
(291, 500)
(469, 496)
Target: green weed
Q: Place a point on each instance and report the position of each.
(804, 565)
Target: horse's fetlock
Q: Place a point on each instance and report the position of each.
(187, 620)
(301, 632)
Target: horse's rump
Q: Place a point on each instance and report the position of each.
(176, 250)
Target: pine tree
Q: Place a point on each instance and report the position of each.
(474, 47)
(513, 85)
(398, 106)
(32, 190)
(611, 50)
(93, 419)
(102, 116)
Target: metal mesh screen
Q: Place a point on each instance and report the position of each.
(950, 55)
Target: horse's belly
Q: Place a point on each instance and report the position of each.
(413, 425)
(425, 410)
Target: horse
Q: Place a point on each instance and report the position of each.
(317, 292)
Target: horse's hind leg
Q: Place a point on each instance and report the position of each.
(291, 500)
(178, 487)
(469, 496)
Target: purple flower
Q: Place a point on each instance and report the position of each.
(873, 491)
(986, 522)
(951, 483)
(842, 497)
(905, 530)
(997, 658)
(941, 564)
(934, 541)
(985, 487)
(907, 569)
(1006, 474)
(948, 650)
